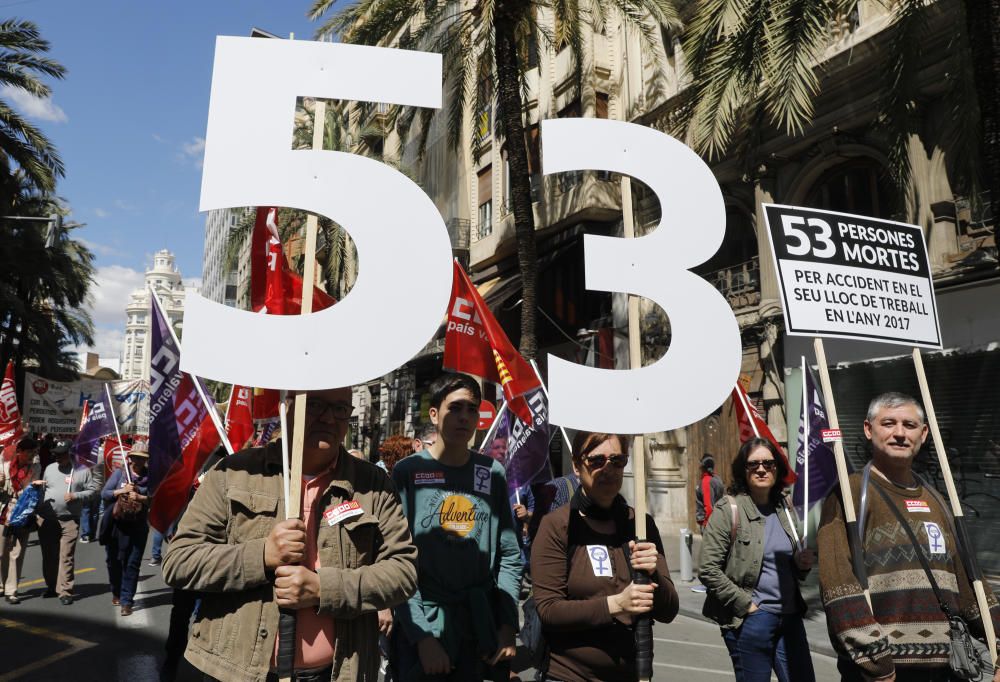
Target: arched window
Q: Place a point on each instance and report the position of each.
(856, 186)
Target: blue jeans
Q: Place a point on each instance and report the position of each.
(88, 520)
(157, 544)
(124, 557)
(767, 641)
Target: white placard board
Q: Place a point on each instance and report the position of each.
(856, 277)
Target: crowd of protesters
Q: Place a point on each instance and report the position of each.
(415, 567)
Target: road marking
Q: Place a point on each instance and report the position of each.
(74, 643)
(29, 583)
(685, 643)
(727, 673)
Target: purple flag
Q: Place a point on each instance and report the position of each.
(97, 425)
(523, 449)
(822, 475)
(164, 381)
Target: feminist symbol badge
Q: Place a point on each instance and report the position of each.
(599, 560)
(935, 538)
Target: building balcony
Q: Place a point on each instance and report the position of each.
(739, 283)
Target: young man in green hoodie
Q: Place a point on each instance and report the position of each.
(460, 624)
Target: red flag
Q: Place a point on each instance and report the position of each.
(10, 415)
(752, 425)
(239, 417)
(113, 450)
(265, 404)
(274, 288)
(174, 490)
(475, 343)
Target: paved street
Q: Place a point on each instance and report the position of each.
(89, 640)
(44, 640)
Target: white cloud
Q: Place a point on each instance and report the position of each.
(158, 138)
(194, 150)
(124, 205)
(110, 294)
(40, 108)
(101, 213)
(108, 342)
(102, 249)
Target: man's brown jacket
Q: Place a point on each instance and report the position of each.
(369, 562)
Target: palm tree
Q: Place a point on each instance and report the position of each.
(490, 40)
(22, 64)
(754, 65)
(43, 286)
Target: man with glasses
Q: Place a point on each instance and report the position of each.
(904, 635)
(348, 557)
(460, 624)
(426, 437)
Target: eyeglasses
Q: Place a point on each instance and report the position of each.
(316, 409)
(768, 465)
(600, 461)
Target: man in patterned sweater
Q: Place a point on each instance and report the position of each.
(904, 635)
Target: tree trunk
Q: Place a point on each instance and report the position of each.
(983, 27)
(509, 97)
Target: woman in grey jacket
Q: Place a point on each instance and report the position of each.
(751, 564)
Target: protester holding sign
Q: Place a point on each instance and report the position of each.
(905, 634)
(349, 556)
(751, 564)
(580, 563)
(16, 475)
(460, 624)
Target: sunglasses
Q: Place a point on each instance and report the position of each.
(768, 464)
(601, 461)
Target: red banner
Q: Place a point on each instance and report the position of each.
(274, 288)
(752, 425)
(239, 417)
(475, 343)
(10, 414)
(175, 488)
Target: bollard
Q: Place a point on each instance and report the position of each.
(687, 540)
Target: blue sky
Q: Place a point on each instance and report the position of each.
(129, 121)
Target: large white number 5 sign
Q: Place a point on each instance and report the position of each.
(249, 162)
(702, 363)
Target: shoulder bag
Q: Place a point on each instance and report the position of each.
(970, 658)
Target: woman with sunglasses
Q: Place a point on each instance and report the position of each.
(582, 562)
(751, 565)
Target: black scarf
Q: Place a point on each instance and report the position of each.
(617, 512)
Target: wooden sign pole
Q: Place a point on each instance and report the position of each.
(969, 558)
(644, 624)
(293, 510)
(850, 518)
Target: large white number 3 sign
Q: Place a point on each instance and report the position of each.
(249, 162)
(702, 363)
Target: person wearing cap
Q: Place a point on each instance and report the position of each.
(709, 491)
(15, 476)
(66, 493)
(123, 528)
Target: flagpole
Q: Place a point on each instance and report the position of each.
(805, 446)
(118, 435)
(545, 392)
(283, 416)
(745, 403)
(209, 405)
(972, 566)
(847, 497)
